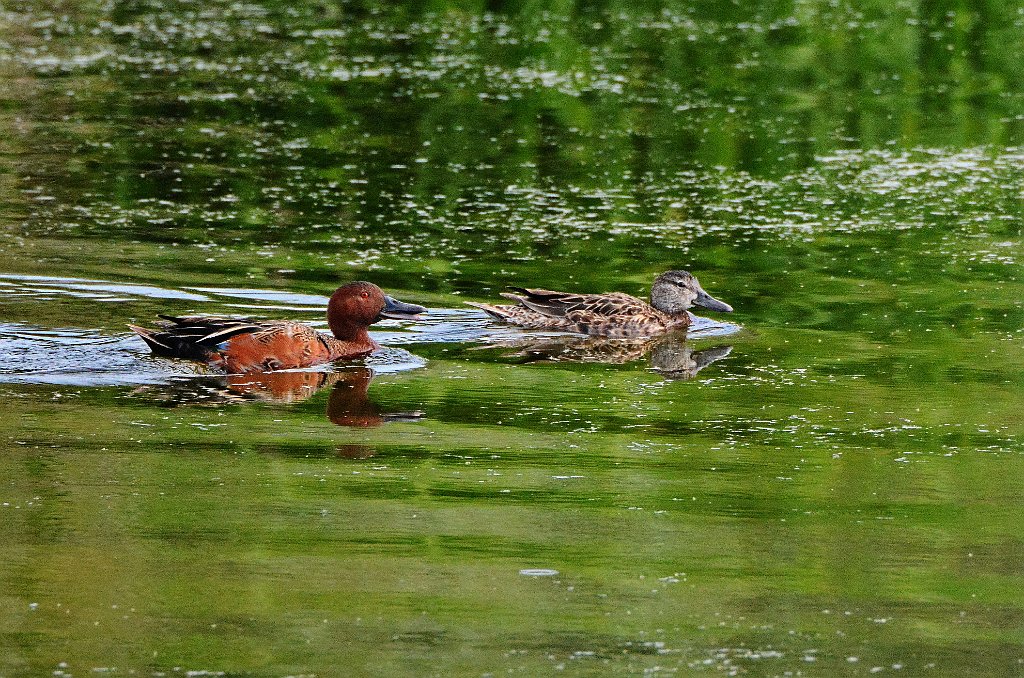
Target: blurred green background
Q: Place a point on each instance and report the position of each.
(837, 496)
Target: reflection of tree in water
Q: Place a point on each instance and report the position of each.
(670, 355)
(348, 404)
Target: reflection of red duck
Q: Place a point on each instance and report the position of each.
(356, 451)
(280, 387)
(349, 405)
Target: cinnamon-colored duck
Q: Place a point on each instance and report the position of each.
(614, 314)
(237, 345)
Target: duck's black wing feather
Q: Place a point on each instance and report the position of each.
(194, 337)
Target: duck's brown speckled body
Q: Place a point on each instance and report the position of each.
(614, 315)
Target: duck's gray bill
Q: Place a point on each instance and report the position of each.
(399, 310)
(707, 301)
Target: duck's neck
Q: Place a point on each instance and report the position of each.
(678, 321)
(669, 301)
(344, 329)
(359, 345)
(350, 335)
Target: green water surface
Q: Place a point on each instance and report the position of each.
(826, 482)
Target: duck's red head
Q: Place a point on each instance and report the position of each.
(356, 306)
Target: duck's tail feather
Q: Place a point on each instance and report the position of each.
(170, 345)
(154, 339)
(545, 302)
(149, 336)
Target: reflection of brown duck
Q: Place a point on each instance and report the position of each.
(677, 360)
(670, 354)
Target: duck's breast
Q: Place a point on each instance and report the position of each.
(636, 323)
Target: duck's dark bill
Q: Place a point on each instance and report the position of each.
(393, 308)
(709, 302)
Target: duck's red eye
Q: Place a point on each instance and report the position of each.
(365, 295)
